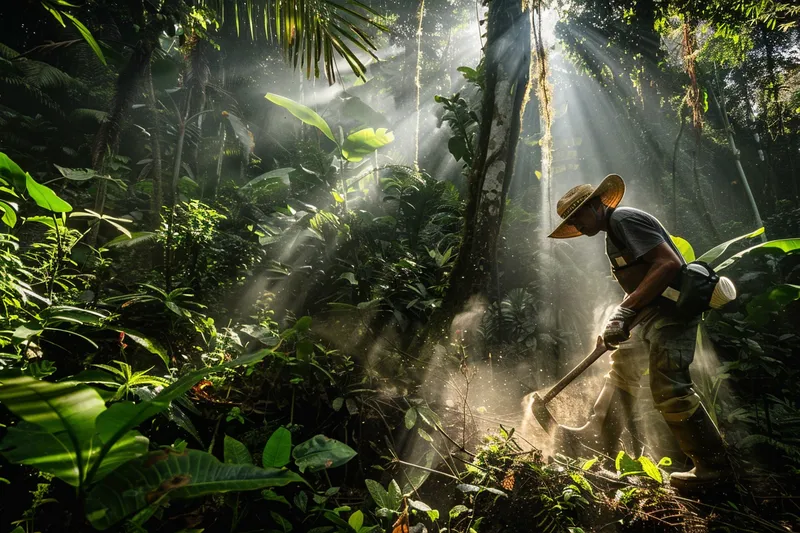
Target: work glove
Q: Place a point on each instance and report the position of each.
(618, 327)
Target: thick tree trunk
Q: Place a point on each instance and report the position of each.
(508, 56)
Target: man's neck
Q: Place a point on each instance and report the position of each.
(605, 217)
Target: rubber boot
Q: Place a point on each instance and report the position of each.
(611, 413)
(699, 438)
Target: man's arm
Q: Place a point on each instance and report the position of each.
(664, 266)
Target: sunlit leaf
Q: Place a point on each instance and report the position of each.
(714, 253)
(784, 245)
(87, 36)
(45, 197)
(684, 248)
(304, 113)
(650, 469)
(9, 214)
(362, 143)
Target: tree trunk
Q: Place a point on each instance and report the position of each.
(157, 199)
(198, 73)
(508, 56)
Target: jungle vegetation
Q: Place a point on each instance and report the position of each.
(279, 265)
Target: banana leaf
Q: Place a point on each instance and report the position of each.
(784, 245)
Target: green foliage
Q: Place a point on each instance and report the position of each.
(717, 251)
(164, 475)
(277, 451)
(321, 452)
(782, 245)
(362, 143)
(354, 148)
(79, 439)
(60, 419)
(464, 124)
(684, 248)
(236, 453)
(304, 113)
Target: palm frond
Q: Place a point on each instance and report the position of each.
(310, 32)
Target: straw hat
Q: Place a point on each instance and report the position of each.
(610, 191)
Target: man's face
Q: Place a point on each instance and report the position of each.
(586, 220)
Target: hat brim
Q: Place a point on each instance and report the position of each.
(610, 191)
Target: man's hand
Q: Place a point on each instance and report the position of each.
(618, 327)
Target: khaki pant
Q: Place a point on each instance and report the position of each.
(664, 345)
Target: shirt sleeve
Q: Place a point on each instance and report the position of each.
(639, 234)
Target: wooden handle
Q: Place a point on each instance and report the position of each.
(578, 370)
(598, 352)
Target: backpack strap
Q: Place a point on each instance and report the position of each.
(611, 235)
(618, 242)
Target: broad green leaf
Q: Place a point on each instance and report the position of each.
(235, 452)
(302, 324)
(650, 469)
(428, 416)
(773, 300)
(87, 36)
(714, 253)
(55, 407)
(9, 214)
(379, 495)
(456, 511)
(785, 245)
(241, 131)
(280, 175)
(304, 113)
(12, 173)
(684, 248)
(26, 331)
(356, 520)
(458, 148)
(151, 345)
(395, 496)
(589, 464)
(165, 475)
(362, 143)
(320, 452)
(411, 417)
(58, 435)
(278, 450)
(45, 220)
(45, 197)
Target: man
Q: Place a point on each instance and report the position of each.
(644, 261)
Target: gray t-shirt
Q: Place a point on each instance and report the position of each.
(638, 233)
